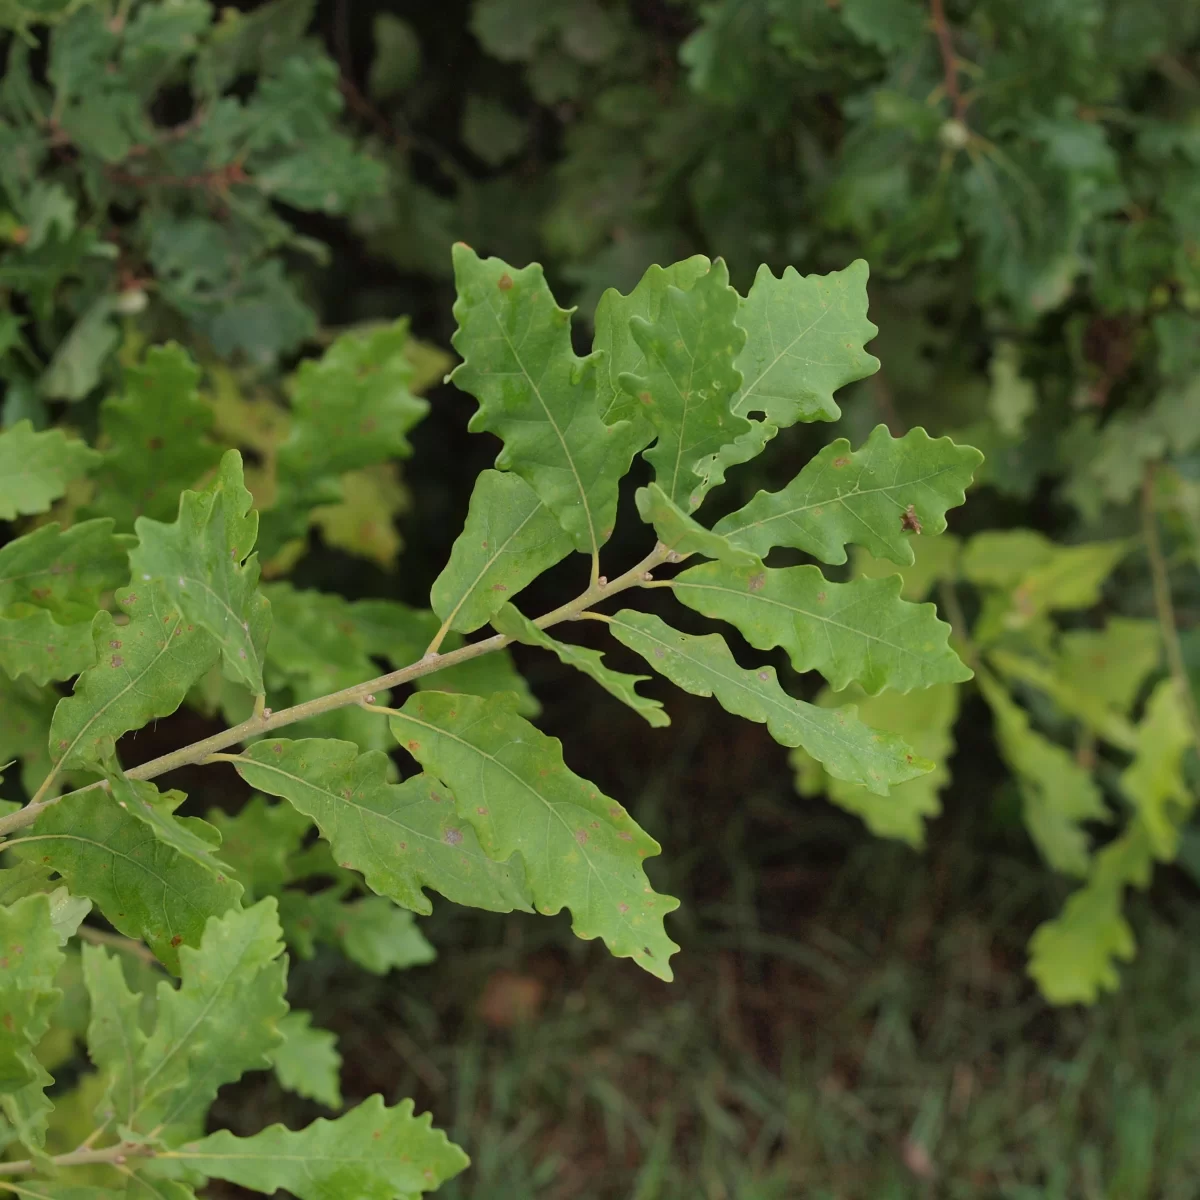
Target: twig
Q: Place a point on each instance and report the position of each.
(941, 27)
(256, 726)
(1164, 607)
(101, 937)
(113, 1155)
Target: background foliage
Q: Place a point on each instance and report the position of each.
(1020, 178)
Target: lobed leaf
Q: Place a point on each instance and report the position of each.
(1057, 794)
(804, 340)
(65, 571)
(509, 539)
(37, 468)
(307, 1061)
(142, 671)
(220, 1022)
(155, 438)
(581, 850)
(683, 535)
(203, 562)
(115, 1039)
(614, 336)
(514, 624)
(537, 396)
(108, 847)
(688, 383)
(25, 715)
(925, 720)
(857, 632)
(30, 959)
(704, 666)
(32, 643)
(861, 497)
(373, 1152)
(401, 837)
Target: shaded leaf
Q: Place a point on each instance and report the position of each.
(37, 468)
(115, 1039)
(537, 396)
(402, 837)
(845, 747)
(1058, 795)
(509, 539)
(859, 497)
(857, 632)
(155, 438)
(203, 562)
(372, 1151)
(307, 1061)
(520, 628)
(925, 720)
(32, 643)
(581, 850)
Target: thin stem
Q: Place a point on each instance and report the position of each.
(941, 27)
(198, 752)
(1165, 608)
(113, 1155)
(101, 937)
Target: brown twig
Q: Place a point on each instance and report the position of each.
(941, 27)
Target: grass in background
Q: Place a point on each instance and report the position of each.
(850, 1019)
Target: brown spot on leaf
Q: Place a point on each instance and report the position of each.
(645, 397)
(117, 661)
(581, 836)
(909, 521)
(625, 836)
(757, 581)
(452, 837)
(841, 461)
(176, 940)
(505, 282)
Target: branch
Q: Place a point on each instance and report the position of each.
(361, 692)
(1164, 607)
(941, 27)
(111, 1155)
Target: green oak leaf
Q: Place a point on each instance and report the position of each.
(581, 850)
(203, 561)
(112, 853)
(371, 1151)
(861, 497)
(115, 1038)
(857, 632)
(307, 1061)
(155, 438)
(65, 571)
(25, 715)
(514, 624)
(222, 1020)
(925, 720)
(537, 396)
(30, 959)
(37, 468)
(484, 675)
(1112, 663)
(142, 671)
(1073, 956)
(836, 738)
(509, 539)
(380, 937)
(33, 643)
(1057, 794)
(401, 837)
(258, 841)
(804, 340)
(684, 535)
(687, 385)
(351, 408)
(614, 336)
